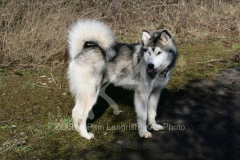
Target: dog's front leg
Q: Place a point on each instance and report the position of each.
(141, 101)
(152, 109)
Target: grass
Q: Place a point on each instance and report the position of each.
(236, 46)
(32, 32)
(35, 102)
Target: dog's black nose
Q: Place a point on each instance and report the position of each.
(150, 66)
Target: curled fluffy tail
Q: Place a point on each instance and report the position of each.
(84, 31)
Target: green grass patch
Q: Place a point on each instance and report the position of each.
(236, 46)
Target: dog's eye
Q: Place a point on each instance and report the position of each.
(149, 53)
(159, 52)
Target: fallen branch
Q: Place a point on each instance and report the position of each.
(4, 65)
(43, 86)
(213, 61)
(21, 65)
(54, 80)
(6, 121)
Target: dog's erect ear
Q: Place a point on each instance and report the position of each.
(145, 37)
(165, 37)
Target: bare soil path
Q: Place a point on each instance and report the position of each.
(201, 122)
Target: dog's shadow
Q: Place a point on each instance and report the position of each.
(119, 96)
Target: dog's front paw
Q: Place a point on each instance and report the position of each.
(157, 127)
(145, 134)
(89, 135)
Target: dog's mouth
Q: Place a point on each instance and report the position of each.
(151, 72)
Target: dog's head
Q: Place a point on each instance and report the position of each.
(158, 50)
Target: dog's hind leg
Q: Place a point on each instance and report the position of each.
(84, 104)
(152, 110)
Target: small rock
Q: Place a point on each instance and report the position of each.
(120, 142)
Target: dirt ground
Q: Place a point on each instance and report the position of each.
(201, 122)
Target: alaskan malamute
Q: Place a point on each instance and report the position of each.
(96, 58)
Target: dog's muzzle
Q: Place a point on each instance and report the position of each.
(150, 70)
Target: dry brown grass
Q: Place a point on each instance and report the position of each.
(34, 31)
